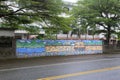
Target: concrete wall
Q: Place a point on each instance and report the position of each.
(35, 48)
(7, 33)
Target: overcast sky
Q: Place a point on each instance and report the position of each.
(71, 1)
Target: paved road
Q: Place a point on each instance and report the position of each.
(102, 67)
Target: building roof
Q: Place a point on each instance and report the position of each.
(8, 29)
(26, 32)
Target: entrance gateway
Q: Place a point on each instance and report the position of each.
(7, 43)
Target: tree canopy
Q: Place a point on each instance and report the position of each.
(22, 14)
(98, 13)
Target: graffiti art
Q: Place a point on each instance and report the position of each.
(32, 48)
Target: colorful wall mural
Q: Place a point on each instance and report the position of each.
(31, 48)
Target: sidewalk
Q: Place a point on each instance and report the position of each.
(15, 63)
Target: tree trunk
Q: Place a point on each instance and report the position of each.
(85, 36)
(79, 34)
(71, 35)
(108, 35)
(56, 37)
(93, 36)
(67, 35)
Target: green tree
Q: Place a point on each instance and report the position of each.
(21, 14)
(102, 13)
(58, 24)
(118, 35)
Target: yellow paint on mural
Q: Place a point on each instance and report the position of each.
(93, 48)
(59, 48)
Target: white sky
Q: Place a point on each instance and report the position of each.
(71, 1)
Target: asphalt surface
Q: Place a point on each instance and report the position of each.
(84, 67)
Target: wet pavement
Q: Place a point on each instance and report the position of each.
(84, 67)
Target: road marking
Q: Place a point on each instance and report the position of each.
(56, 64)
(80, 73)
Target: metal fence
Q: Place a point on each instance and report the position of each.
(7, 48)
(112, 45)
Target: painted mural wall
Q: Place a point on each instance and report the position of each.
(32, 48)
